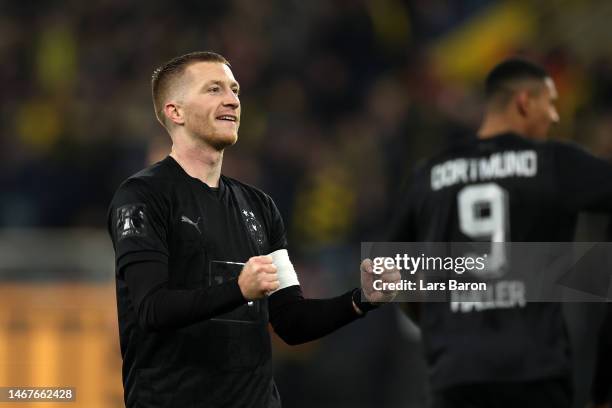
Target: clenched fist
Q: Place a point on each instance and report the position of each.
(258, 277)
(367, 282)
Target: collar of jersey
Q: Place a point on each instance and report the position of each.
(219, 191)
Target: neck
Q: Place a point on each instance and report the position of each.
(202, 162)
(495, 124)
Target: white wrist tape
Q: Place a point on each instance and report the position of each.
(284, 268)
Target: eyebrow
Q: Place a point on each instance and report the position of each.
(219, 82)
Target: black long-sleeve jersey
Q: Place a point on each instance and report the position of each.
(188, 337)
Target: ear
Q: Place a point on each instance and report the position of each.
(521, 100)
(174, 113)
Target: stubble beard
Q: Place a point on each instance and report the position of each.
(214, 137)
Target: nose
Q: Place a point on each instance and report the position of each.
(231, 99)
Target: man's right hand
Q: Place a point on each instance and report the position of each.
(258, 277)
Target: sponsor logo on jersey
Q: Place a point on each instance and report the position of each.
(193, 223)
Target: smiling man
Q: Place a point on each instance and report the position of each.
(202, 263)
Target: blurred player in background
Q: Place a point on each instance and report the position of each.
(506, 354)
(202, 263)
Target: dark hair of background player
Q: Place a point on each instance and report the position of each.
(511, 75)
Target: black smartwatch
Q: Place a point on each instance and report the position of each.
(363, 305)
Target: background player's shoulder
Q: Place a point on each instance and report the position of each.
(564, 145)
(452, 151)
(563, 152)
(485, 147)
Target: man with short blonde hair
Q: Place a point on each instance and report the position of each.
(201, 260)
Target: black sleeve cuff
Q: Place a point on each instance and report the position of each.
(234, 293)
(359, 298)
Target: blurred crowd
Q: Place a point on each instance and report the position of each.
(340, 98)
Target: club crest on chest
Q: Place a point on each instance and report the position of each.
(253, 226)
